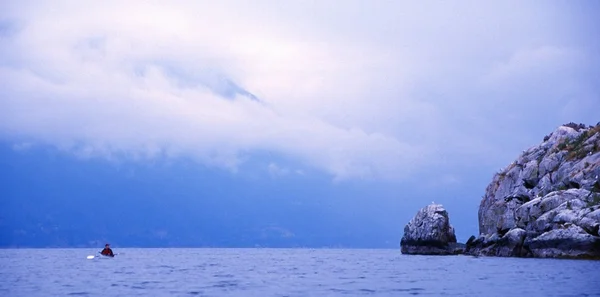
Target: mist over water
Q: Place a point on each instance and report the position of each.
(286, 272)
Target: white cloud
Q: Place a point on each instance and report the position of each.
(276, 171)
(358, 89)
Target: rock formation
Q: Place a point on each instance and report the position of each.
(547, 202)
(429, 233)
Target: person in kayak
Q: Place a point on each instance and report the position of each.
(107, 251)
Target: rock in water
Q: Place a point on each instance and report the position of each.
(570, 242)
(547, 202)
(429, 233)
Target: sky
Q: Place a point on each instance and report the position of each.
(413, 100)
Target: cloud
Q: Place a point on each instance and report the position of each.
(545, 63)
(359, 90)
(22, 146)
(276, 171)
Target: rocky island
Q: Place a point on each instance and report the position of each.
(545, 204)
(430, 233)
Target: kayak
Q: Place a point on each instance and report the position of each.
(100, 256)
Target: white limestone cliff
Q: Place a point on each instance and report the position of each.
(547, 202)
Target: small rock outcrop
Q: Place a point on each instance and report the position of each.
(430, 233)
(547, 202)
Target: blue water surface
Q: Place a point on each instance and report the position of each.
(287, 272)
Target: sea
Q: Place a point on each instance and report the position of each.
(286, 272)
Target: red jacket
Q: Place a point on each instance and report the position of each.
(107, 252)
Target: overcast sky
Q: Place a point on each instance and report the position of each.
(387, 91)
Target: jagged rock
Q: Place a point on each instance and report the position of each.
(530, 174)
(457, 248)
(430, 233)
(571, 241)
(511, 244)
(594, 215)
(547, 201)
(590, 226)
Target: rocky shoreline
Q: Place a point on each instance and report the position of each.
(546, 204)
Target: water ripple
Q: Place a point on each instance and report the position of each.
(287, 272)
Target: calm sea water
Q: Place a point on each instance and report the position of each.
(287, 272)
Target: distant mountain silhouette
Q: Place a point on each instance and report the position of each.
(52, 199)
